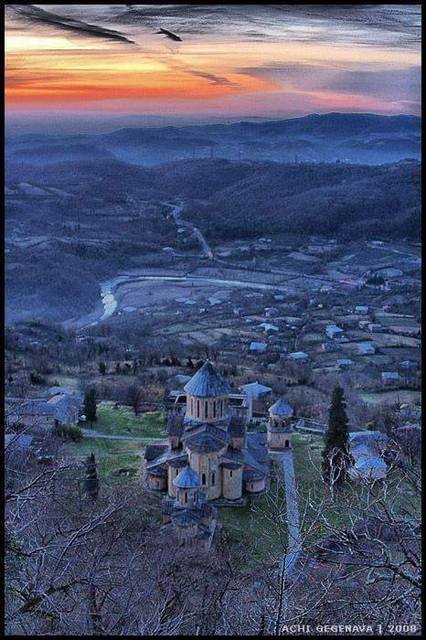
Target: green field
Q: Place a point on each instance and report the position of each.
(315, 507)
(112, 455)
(261, 528)
(122, 421)
(101, 446)
(256, 528)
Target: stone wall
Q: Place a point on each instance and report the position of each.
(186, 535)
(157, 482)
(232, 483)
(207, 467)
(174, 442)
(186, 497)
(255, 486)
(172, 472)
(277, 440)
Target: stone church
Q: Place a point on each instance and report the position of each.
(210, 458)
(212, 441)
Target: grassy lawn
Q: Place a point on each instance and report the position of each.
(123, 422)
(257, 528)
(100, 446)
(312, 497)
(307, 452)
(111, 455)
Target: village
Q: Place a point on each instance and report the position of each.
(283, 326)
(105, 407)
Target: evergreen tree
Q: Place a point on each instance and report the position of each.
(335, 453)
(90, 404)
(91, 482)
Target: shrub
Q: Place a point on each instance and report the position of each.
(69, 432)
(36, 378)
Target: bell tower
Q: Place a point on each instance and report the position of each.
(280, 425)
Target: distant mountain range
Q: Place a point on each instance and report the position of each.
(345, 137)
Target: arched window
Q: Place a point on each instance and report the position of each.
(230, 473)
(213, 478)
(214, 409)
(286, 444)
(186, 496)
(206, 407)
(198, 408)
(192, 407)
(176, 472)
(203, 478)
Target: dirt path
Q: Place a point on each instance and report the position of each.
(293, 520)
(88, 433)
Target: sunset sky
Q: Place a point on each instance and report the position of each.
(239, 60)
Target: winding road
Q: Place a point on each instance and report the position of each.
(175, 213)
(108, 303)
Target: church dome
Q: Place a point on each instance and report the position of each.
(281, 409)
(187, 479)
(207, 383)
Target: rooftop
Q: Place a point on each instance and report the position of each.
(255, 389)
(207, 383)
(298, 355)
(366, 347)
(187, 479)
(186, 517)
(258, 346)
(281, 408)
(204, 442)
(343, 362)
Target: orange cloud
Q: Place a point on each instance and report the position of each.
(72, 77)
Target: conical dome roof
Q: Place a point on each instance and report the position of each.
(207, 383)
(187, 479)
(281, 408)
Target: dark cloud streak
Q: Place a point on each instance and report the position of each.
(213, 79)
(33, 14)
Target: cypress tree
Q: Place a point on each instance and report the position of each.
(335, 453)
(90, 404)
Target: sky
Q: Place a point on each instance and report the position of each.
(263, 61)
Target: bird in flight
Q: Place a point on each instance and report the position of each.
(169, 34)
